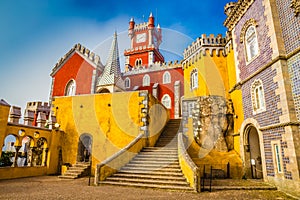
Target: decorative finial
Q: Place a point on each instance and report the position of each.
(151, 14)
(132, 19)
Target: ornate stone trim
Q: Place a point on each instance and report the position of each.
(279, 125)
(236, 13)
(295, 4)
(250, 22)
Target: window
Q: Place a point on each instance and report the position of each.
(258, 99)
(127, 82)
(146, 80)
(166, 101)
(166, 77)
(138, 62)
(70, 88)
(194, 79)
(251, 43)
(277, 157)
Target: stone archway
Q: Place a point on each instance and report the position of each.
(84, 148)
(252, 153)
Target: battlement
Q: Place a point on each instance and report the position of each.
(157, 66)
(37, 114)
(140, 48)
(91, 56)
(141, 27)
(204, 43)
(38, 106)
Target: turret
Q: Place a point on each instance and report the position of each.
(151, 21)
(131, 28)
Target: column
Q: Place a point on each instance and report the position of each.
(15, 164)
(45, 156)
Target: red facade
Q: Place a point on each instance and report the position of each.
(75, 68)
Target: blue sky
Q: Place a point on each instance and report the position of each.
(35, 34)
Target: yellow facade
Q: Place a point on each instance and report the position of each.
(113, 121)
(236, 97)
(52, 142)
(212, 75)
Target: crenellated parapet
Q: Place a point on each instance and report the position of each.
(141, 27)
(37, 114)
(85, 52)
(157, 66)
(205, 44)
(139, 49)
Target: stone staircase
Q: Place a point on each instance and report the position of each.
(78, 170)
(154, 167)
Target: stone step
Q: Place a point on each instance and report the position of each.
(159, 149)
(144, 185)
(172, 174)
(162, 156)
(148, 181)
(155, 159)
(149, 176)
(156, 169)
(169, 165)
(150, 166)
(173, 162)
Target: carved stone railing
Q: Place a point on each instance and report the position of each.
(119, 159)
(188, 167)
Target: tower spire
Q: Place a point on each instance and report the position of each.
(111, 75)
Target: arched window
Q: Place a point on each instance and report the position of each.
(127, 82)
(146, 80)
(194, 79)
(166, 101)
(138, 62)
(166, 77)
(258, 98)
(251, 43)
(70, 88)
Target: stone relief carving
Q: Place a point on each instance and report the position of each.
(213, 121)
(295, 4)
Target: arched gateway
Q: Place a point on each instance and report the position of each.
(84, 148)
(252, 153)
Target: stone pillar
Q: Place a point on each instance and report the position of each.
(29, 156)
(14, 114)
(155, 90)
(41, 119)
(45, 156)
(177, 99)
(28, 117)
(15, 164)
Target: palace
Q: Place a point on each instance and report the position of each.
(232, 103)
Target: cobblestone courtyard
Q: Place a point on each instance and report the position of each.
(51, 187)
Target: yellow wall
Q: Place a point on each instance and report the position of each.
(212, 76)
(113, 120)
(237, 100)
(4, 112)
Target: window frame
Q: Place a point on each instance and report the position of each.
(253, 43)
(71, 83)
(169, 106)
(127, 82)
(146, 80)
(166, 77)
(258, 97)
(194, 79)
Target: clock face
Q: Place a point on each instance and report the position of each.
(141, 38)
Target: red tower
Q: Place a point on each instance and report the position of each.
(145, 41)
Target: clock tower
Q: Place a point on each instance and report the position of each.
(145, 41)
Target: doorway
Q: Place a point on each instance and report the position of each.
(253, 159)
(84, 148)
